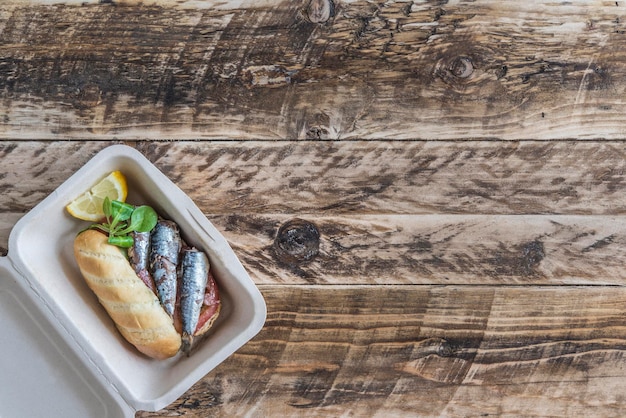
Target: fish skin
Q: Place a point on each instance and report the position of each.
(164, 256)
(194, 276)
(139, 256)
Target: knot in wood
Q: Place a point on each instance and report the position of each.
(87, 96)
(445, 349)
(461, 67)
(319, 11)
(297, 242)
(317, 132)
(457, 71)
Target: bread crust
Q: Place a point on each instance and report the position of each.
(135, 309)
(208, 324)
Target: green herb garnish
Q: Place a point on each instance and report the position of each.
(122, 219)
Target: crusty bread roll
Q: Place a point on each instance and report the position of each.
(135, 309)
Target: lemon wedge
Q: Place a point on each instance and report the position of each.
(88, 206)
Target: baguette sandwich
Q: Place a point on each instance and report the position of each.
(159, 307)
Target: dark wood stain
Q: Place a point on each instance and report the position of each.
(179, 68)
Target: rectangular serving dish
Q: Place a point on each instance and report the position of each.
(40, 277)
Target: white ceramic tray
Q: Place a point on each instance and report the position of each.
(60, 354)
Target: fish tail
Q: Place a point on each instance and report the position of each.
(187, 342)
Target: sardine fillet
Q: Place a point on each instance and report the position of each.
(135, 309)
(164, 254)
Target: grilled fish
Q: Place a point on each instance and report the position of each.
(164, 254)
(193, 282)
(139, 255)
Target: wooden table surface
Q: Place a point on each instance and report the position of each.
(429, 194)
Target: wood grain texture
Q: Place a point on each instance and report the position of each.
(424, 351)
(352, 177)
(436, 249)
(263, 70)
(383, 212)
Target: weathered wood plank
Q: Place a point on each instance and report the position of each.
(394, 177)
(329, 178)
(456, 249)
(424, 351)
(400, 69)
(405, 223)
(432, 249)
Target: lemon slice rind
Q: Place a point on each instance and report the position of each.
(88, 206)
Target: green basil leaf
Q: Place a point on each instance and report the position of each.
(144, 219)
